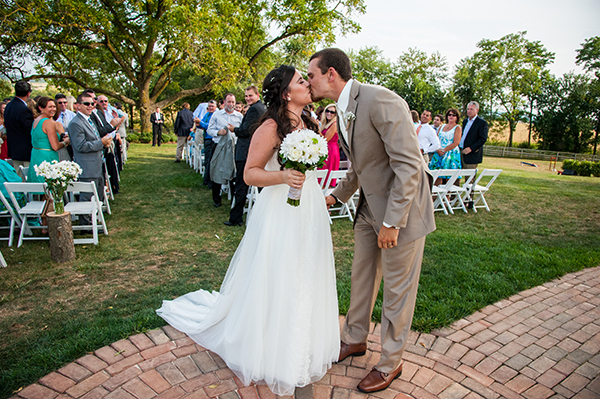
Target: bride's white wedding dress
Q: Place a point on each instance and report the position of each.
(275, 319)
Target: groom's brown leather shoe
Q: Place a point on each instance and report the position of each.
(351, 350)
(377, 380)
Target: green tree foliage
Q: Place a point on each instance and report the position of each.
(589, 56)
(369, 66)
(564, 120)
(421, 79)
(503, 72)
(129, 49)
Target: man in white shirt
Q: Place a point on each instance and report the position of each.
(428, 139)
(222, 166)
(66, 115)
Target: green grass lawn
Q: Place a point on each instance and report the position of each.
(167, 239)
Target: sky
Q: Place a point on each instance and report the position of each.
(455, 28)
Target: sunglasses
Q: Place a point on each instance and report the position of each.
(329, 112)
(87, 103)
(62, 102)
(103, 101)
(451, 114)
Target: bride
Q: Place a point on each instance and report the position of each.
(275, 319)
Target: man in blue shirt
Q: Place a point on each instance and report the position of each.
(208, 142)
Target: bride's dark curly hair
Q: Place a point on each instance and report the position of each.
(275, 89)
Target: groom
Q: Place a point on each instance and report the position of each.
(395, 211)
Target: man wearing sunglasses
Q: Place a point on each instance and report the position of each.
(87, 147)
(65, 115)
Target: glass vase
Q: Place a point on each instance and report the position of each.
(59, 206)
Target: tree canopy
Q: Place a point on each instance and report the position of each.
(129, 49)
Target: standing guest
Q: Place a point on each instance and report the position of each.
(239, 106)
(329, 131)
(72, 104)
(448, 156)
(222, 165)
(245, 109)
(428, 139)
(18, 120)
(87, 148)
(437, 122)
(4, 145)
(475, 134)
(415, 117)
(122, 130)
(63, 116)
(108, 121)
(157, 119)
(45, 138)
(184, 122)
(394, 215)
(208, 141)
(244, 134)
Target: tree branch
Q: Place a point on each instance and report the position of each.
(184, 93)
(279, 38)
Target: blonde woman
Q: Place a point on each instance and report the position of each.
(329, 131)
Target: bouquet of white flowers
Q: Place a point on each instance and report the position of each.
(302, 150)
(58, 175)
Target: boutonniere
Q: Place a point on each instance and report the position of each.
(349, 117)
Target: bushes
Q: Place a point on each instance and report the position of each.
(582, 168)
(146, 137)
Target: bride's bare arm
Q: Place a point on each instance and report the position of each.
(263, 144)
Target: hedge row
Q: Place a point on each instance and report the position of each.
(582, 168)
(146, 137)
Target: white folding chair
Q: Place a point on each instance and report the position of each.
(251, 196)
(24, 171)
(93, 208)
(440, 202)
(32, 210)
(343, 210)
(108, 194)
(477, 190)
(2, 261)
(321, 175)
(13, 219)
(457, 193)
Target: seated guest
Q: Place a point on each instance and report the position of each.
(448, 157)
(45, 138)
(329, 131)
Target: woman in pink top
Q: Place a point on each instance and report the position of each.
(329, 131)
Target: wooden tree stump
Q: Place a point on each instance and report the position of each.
(60, 232)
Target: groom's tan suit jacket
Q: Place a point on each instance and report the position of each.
(386, 163)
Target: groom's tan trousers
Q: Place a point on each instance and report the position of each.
(400, 267)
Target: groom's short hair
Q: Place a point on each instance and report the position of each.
(336, 59)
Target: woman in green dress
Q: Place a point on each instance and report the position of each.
(45, 137)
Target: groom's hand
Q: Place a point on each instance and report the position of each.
(388, 237)
(330, 200)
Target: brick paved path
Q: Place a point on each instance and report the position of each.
(541, 343)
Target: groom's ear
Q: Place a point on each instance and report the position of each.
(332, 73)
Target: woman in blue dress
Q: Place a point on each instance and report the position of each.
(448, 157)
(45, 138)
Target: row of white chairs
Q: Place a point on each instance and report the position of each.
(18, 216)
(451, 196)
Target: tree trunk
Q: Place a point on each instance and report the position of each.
(145, 112)
(60, 232)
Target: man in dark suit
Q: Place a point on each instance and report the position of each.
(244, 134)
(157, 119)
(184, 122)
(18, 120)
(87, 147)
(475, 134)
